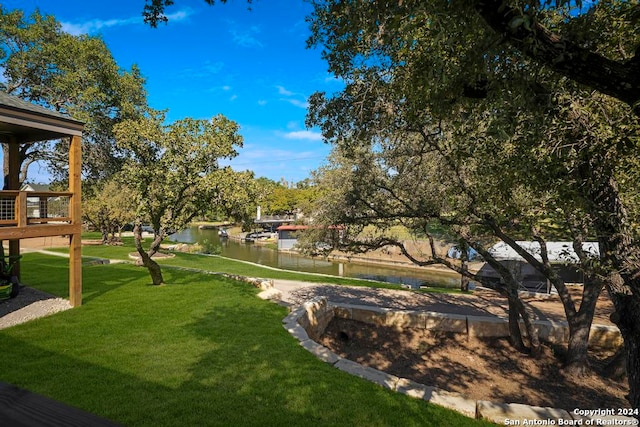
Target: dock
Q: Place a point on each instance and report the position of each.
(22, 408)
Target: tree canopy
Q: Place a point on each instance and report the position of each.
(76, 75)
(443, 117)
(170, 167)
(109, 206)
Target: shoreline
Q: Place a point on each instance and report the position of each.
(383, 259)
(474, 266)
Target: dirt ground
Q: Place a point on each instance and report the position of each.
(486, 369)
(481, 302)
(479, 369)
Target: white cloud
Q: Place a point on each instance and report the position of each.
(275, 163)
(293, 98)
(245, 37)
(212, 67)
(262, 102)
(180, 15)
(96, 25)
(299, 28)
(298, 103)
(226, 88)
(304, 135)
(283, 91)
(332, 78)
(233, 97)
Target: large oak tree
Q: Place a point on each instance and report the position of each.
(75, 75)
(171, 168)
(438, 70)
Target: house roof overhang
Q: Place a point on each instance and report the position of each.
(24, 122)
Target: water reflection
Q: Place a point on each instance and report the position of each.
(289, 261)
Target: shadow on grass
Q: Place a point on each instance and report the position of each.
(240, 368)
(268, 372)
(98, 280)
(51, 274)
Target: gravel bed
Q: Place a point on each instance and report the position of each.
(30, 304)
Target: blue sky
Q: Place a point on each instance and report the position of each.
(250, 65)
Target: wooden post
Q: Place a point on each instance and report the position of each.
(13, 183)
(75, 250)
(21, 209)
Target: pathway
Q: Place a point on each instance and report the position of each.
(482, 302)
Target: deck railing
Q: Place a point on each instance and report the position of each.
(24, 208)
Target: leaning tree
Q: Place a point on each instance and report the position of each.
(170, 168)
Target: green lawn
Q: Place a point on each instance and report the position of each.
(202, 350)
(226, 265)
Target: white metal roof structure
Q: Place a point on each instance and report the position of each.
(558, 252)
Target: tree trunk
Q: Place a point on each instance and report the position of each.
(464, 258)
(154, 269)
(620, 256)
(515, 335)
(632, 345)
(628, 320)
(616, 367)
(577, 361)
(509, 289)
(532, 332)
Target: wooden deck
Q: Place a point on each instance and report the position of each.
(21, 408)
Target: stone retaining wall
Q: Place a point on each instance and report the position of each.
(308, 322)
(474, 326)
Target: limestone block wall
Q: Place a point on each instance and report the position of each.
(308, 322)
(315, 315)
(475, 326)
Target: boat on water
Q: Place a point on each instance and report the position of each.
(258, 235)
(207, 227)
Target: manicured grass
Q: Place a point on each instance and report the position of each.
(226, 265)
(202, 350)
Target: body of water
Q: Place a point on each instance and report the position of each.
(290, 261)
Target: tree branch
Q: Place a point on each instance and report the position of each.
(618, 79)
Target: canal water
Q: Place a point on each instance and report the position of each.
(290, 261)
